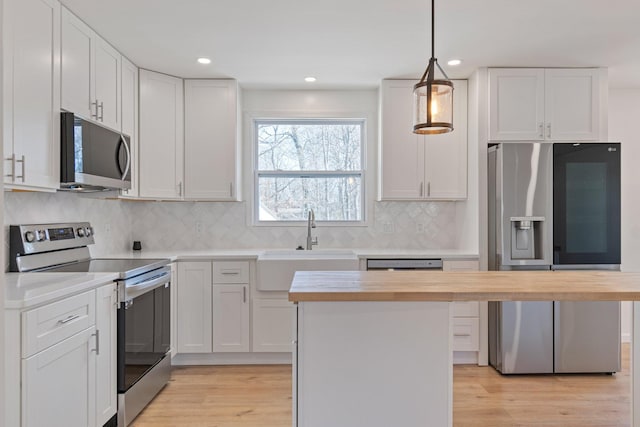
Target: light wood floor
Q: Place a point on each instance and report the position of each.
(260, 396)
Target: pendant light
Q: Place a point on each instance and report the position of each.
(433, 98)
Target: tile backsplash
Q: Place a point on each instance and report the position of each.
(218, 225)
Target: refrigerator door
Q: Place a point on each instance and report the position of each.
(587, 336)
(525, 337)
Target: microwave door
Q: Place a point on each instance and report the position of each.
(586, 204)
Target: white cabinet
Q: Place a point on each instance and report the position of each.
(194, 307)
(231, 328)
(31, 94)
(211, 141)
(272, 325)
(90, 74)
(58, 372)
(534, 104)
(129, 100)
(161, 136)
(466, 315)
(419, 167)
(106, 354)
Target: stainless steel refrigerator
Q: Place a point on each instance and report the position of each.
(554, 206)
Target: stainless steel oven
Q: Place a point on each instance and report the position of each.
(144, 300)
(144, 365)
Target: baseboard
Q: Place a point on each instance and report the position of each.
(465, 357)
(185, 359)
(626, 337)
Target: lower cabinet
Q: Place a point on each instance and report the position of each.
(62, 361)
(230, 318)
(194, 307)
(272, 325)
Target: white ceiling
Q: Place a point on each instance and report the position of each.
(356, 43)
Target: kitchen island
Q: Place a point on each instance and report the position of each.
(374, 348)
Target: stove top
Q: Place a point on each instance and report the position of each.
(126, 267)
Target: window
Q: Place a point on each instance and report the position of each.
(309, 164)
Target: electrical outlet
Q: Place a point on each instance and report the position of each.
(420, 228)
(107, 228)
(387, 227)
(198, 227)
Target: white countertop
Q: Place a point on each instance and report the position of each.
(25, 290)
(186, 255)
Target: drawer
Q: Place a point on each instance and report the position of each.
(230, 272)
(466, 334)
(466, 309)
(52, 323)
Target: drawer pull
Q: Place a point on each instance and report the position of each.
(461, 335)
(230, 272)
(69, 319)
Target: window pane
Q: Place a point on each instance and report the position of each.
(289, 198)
(332, 146)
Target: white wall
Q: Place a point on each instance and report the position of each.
(624, 112)
(2, 240)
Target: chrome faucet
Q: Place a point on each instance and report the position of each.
(311, 223)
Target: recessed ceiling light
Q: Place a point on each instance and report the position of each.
(454, 62)
(309, 79)
(204, 60)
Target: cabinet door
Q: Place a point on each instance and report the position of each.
(230, 318)
(77, 65)
(446, 154)
(106, 356)
(211, 139)
(516, 104)
(129, 101)
(107, 83)
(272, 327)
(161, 136)
(194, 307)
(402, 151)
(58, 384)
(31, 95)
(572, 104)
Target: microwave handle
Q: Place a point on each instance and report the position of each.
(126, 147)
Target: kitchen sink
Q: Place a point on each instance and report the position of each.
(276, 267)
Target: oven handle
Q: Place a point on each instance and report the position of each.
(133, 291)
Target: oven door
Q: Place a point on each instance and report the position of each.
(143, 327)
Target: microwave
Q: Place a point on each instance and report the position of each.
(93, 158)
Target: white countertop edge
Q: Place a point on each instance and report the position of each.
(28, 290)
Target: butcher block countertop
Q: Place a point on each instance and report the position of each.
(464, 286)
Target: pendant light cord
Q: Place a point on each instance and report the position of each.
(433, 30)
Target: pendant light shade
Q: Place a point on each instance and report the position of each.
(433, 98)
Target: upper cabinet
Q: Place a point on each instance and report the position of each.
(421, 167)
(200, 162)
(90, 74)
(161, 136)
(129, 100)
(534, 104)
(31, 98)
(211, 139)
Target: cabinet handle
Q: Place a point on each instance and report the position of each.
(231, 189)
(230, 272)
(24, 166)
(541, 130)
(101, 118)
(69, 319)
(429, 189)
(461, 335)
(94, 116)
(548, 130)
(97, 335)
(180, 189)
(244, 294)
(422, 189)
(12, 159)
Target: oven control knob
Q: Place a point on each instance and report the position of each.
(87, 231)
(80, 232)
(29, 236)
(41, 235)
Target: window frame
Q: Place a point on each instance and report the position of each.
(361, 173)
